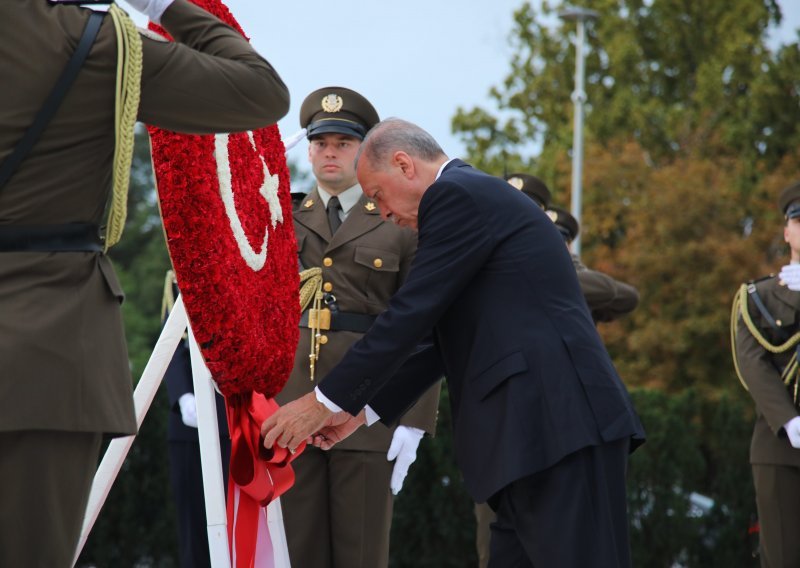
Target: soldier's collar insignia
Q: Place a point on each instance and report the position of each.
(516, 182)
(553, 215)
(370, 206)
(308, 203)
(332, 103)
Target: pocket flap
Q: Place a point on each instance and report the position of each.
(377, 259)
(487, 381)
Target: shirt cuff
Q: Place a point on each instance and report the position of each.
(371, 415)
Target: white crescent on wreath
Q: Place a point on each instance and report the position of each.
(269, 190)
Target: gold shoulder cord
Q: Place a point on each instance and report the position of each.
(740, 307)
(311, 291)
(126, 105)
(168, 299)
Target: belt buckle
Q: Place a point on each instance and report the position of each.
(319, 319)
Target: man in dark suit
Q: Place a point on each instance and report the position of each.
(65, 378)
(543, 424)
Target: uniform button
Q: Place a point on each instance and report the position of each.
(327, 286)
(323, 339)
(377, 262)
(327, 261)
(779, 322)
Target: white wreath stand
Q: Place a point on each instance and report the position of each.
(209, 447)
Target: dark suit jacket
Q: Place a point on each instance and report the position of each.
(530, 380)
(365, 262)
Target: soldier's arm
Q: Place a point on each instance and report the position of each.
(209, 79)
(607, 298)
(763, 379)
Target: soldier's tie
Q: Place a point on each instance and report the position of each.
(333, 213)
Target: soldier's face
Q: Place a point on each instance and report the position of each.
(395, 189)
(791, 234)
(332, 158)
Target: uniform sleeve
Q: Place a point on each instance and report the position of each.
(763, 379)
(607, 298)
(209, 79)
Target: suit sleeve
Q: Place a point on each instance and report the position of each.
(423, 413)
(762, 378)
(209, 79)
(453, 246)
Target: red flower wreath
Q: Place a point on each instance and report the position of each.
(244, 316)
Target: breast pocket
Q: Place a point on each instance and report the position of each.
(382, 268)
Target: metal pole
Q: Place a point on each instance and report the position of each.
(580, 15)
(578, 98)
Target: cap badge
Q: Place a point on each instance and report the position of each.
(332, 103)
(308, 203)
(516, 182)
(553, 216)
(370, 206)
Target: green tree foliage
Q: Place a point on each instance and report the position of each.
(691, 132)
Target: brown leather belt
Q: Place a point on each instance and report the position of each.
(337, 321)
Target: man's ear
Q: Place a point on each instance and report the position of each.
(405, 163)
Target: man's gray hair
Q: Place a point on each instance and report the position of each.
(393, 134)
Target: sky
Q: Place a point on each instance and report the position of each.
(415, 59)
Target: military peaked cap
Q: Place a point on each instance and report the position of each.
(338, 110)
(789, 201)
(566, 224)
(531, 186)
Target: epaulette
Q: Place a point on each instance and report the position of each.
(767, 277)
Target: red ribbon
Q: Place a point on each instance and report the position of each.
(262, 475)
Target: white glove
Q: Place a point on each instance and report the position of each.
(790, 275)
(793, 431)
(153, 9)
(404, 448)
(188, 408)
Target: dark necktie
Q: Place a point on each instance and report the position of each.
(333, 213)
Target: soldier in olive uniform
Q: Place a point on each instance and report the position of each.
(65, 379)
(607, 298)
(338, 513)
(765, 344)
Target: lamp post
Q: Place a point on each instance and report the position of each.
(580, 15)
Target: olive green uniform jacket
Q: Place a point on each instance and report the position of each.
(363, 265)
(761, 371)
(608, 299)
(62, 347)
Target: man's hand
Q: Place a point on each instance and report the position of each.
(293, 423)
(790, 275)
(404, 449)
(188, 407)
(793, 431)
(332, 434)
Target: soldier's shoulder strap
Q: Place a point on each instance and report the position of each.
(752, 292)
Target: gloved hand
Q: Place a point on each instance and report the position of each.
(153, 9)
(790, 274)
(188, 408)
(793, 431)
(404, 449)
